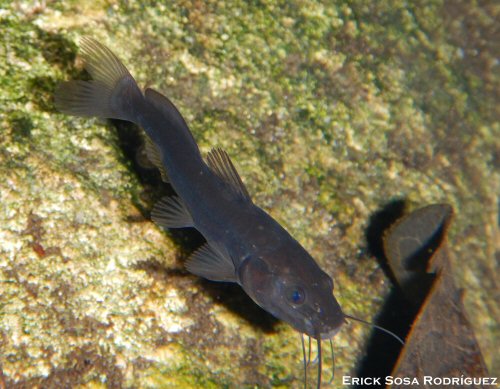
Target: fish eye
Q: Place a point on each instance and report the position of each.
(296, 295)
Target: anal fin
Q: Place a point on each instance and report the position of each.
(211, 261)
(170, 212)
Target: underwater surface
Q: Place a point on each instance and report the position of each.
(332, 111)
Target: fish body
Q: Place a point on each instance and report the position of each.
(244, 243)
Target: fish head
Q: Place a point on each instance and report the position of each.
(295, 290)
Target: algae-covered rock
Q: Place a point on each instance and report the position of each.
(329, 110)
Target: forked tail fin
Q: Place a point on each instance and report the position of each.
(112, 92)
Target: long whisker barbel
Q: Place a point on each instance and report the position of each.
(318, 340)
(304, 358)
(318, 359)
(333, 363)
(309, 351)
(377, 327)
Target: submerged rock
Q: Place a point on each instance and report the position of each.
(328, 111)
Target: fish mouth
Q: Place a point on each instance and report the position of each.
(330, 334)
(322, 330)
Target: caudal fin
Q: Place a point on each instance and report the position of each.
(112, 92)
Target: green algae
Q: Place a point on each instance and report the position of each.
(328, 110)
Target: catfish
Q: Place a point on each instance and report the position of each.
(244, 244)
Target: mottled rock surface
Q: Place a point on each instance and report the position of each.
(329, 111)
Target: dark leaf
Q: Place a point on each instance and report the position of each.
(441, 342)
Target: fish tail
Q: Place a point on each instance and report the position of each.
(112, 92)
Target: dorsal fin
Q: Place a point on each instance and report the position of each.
(154, 157)
(221, 164)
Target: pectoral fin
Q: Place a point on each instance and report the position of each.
(211, 261)
(171, 212)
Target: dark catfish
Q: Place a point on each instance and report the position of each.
(244, 244)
